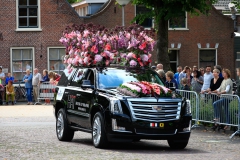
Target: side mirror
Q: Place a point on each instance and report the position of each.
(87, 84)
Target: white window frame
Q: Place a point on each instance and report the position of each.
(185, 28)
(135, 7)
(21, 48)
(29, 29)
(238, 60)
(216, 58)
(48, 59)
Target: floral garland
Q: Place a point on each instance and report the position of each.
(144, 89)
(88, 45)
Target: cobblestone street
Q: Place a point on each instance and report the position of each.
(28, 132)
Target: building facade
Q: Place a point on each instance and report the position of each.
(31, 29)
(197, 40)
(29, 34)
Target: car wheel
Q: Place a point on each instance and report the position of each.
(64, 133)
(177, 145)
(99, 137)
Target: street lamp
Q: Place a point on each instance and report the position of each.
(233, 10)
(123, 3)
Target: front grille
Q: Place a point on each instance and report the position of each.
(143, 109)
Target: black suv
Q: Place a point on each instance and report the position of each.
(87, 100)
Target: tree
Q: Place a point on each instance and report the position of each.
(73, 1)
(164, 10)
(237, 3)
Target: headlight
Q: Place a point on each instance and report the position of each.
(116, 106)
(188, 107)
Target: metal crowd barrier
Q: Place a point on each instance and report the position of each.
(207, 107)
(46, 91)
(194, 100)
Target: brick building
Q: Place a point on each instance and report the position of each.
(29, 34)
(201, 41)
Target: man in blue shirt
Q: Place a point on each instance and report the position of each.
(9, 77)
(176, 75)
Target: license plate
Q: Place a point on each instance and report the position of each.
(157, 125)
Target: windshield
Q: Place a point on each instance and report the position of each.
(113, 78)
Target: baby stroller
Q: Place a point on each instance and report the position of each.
(1, 91)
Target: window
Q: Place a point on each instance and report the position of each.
(207, 58)
(55, 59)
(28, 15)
(21, 60)
(178, 22)
(238, 60)
(173, 57)
(148, 22)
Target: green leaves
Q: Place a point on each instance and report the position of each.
(168, 9)
(74, 1)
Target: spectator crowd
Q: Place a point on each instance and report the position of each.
(31, 81)
(205, 81)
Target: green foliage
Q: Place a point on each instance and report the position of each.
(237, 3)
(73, 1)
(168, 9)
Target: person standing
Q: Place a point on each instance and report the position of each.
(159, 67)
(201, 70)
(225, 88)
(176, 75)
(170, 79)
(183, 74)
(197, 81)
(220, 70)
(215, 82)
(207, 78)
(28, 86)
(45, 78)
(195, 68)
(36, 82)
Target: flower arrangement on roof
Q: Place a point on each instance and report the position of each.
(88, 45)
(144, 89)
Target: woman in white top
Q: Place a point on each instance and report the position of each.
(225, 88)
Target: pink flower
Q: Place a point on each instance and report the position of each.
(144, 57)
(133, 63)
(71, 51)
(94, 49)
(128, 35)
(129, 55)
(98, 58)
(80, 61)
(85, 60)
(123, 55)
(86, 33)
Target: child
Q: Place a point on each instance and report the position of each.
(8, 78)
(184, 84)
(10, 92)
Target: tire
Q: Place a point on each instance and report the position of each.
(99, 137)
(64, 133)
(177, 145)
(17, 95)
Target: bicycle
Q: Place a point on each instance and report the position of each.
(20, 92)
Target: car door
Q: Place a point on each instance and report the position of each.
(77, 104)
(84, 100)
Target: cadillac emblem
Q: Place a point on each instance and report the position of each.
(157, 108)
